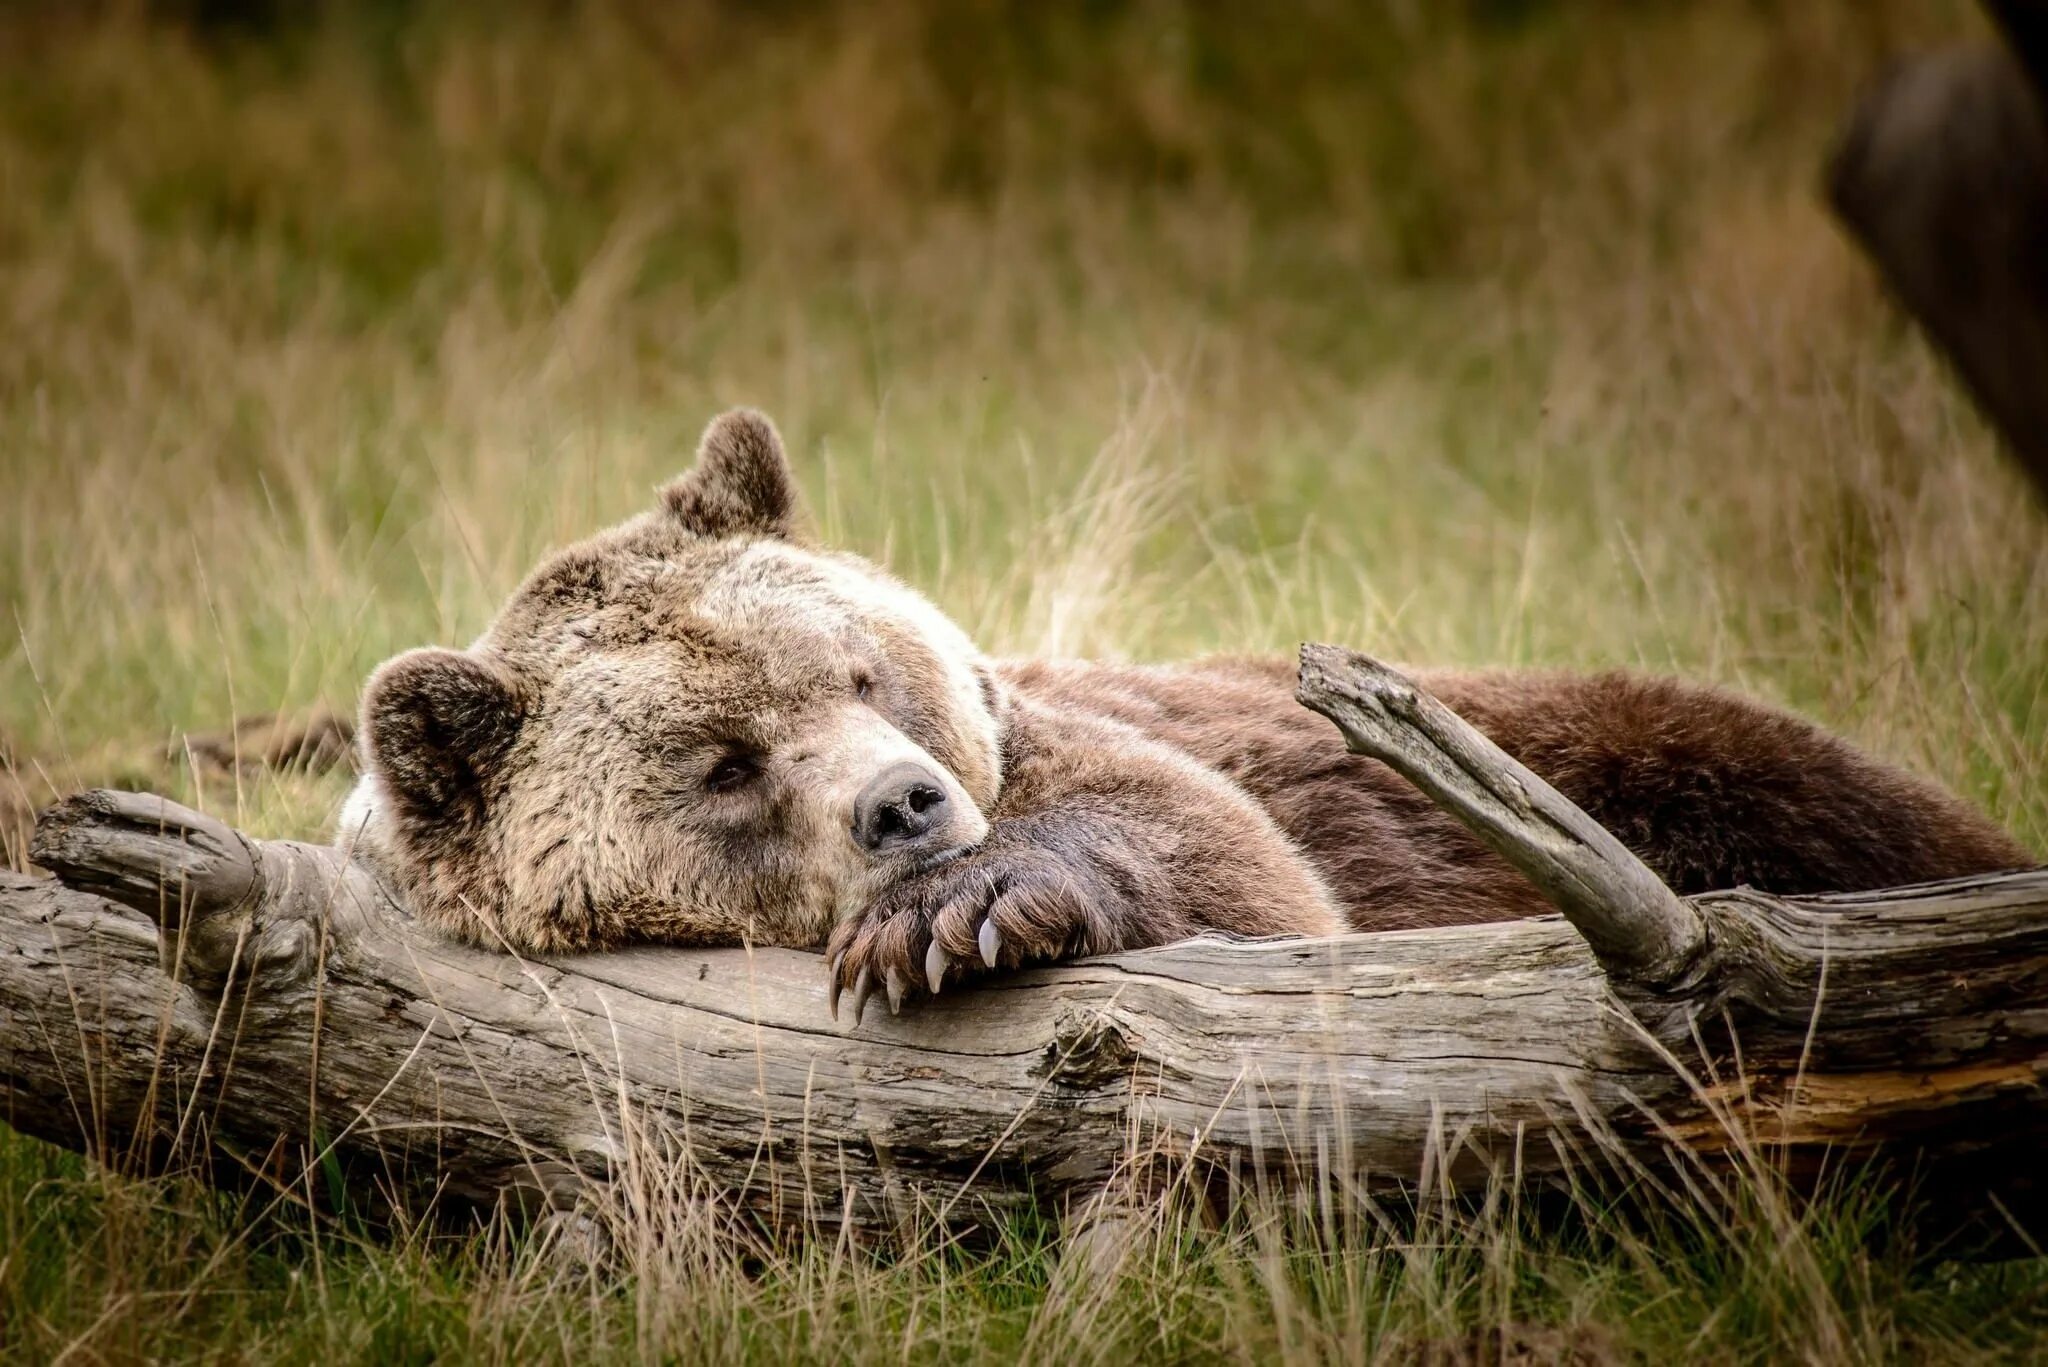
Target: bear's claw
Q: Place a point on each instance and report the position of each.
(862, 986)
(987, 911)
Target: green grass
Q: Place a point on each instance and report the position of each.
(117, 1270)
(1502, 333)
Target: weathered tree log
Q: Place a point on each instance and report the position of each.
(185, 986)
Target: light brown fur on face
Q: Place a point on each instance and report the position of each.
(694, 728)
(664, 733)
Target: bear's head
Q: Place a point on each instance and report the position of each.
(691, 728)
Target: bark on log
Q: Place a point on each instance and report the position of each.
(185, 985)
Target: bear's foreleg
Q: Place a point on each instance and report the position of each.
(1100, 840)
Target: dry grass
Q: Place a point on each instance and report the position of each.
(1515, 335)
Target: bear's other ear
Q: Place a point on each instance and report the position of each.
(741, 483)
(436, 723)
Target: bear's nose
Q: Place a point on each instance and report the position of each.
(899, 807)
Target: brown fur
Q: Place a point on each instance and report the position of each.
(1712, 789)
(668, 732)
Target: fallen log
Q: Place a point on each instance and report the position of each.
(181, 987)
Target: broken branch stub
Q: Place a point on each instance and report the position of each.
(229, 907)
(1644, 934)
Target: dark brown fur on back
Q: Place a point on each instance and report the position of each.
(1712, 790)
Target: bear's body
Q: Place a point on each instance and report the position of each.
(1712, 789)
(694, 728)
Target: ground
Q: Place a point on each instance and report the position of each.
(1512, 334)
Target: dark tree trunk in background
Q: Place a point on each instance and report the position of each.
(1942, 175)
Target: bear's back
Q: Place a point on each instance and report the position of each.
(1711, 789)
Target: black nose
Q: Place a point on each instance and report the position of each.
(900, 807)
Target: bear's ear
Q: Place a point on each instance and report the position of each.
(741, 483)
(436, 723)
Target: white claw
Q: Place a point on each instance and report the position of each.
(862, 985)
(934, 967)
(892, 983)
(991, 943)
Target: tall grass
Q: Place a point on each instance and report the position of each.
(1513, 333)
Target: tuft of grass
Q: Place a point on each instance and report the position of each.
(99, 1267)
(1499, 332)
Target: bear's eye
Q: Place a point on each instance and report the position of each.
(734, 770)
(863, 684)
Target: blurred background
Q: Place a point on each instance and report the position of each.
(1507, 331)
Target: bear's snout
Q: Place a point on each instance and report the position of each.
(899, 809)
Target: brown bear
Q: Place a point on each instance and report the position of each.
(696, 728)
